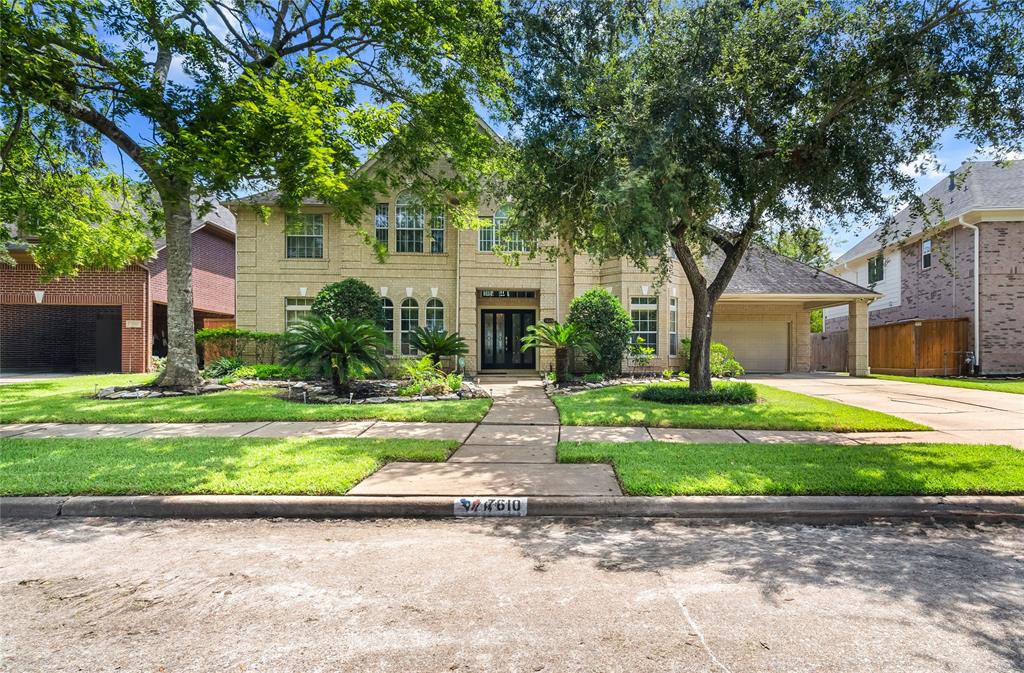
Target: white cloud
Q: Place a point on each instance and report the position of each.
(991, 154)
(926, 166)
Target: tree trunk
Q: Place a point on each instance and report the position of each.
(182, 367)
(561, 365)
(700, 343)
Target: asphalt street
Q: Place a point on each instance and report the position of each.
(528, 595)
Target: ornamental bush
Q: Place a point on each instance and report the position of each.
(351, 299)
(723, 362)
(721, 392)
(598, 312)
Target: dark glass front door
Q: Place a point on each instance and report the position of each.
(501, 334)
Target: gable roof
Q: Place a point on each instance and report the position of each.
(220, 218)
(988, 185)
(762, 271)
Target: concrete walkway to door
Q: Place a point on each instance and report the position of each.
(512, 452)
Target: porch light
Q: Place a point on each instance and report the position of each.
(39, 296)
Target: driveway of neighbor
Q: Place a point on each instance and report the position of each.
(981, 416)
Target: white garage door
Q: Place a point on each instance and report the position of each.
(761, 347)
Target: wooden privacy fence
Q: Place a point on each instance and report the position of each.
(912, 348)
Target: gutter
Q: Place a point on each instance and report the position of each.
(977, 292)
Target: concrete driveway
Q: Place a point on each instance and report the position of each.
(982, 415)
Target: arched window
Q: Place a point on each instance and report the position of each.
(435, 315)
(388, 310)
(408, 223)
(494, 235)
(410, 320)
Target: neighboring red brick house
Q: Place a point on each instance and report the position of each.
(109, 320)
(931, 275)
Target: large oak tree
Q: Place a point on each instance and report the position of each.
(698, 127)
(211, 97)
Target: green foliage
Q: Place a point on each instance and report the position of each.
(640, 354)
(667, 373)
(593, 377)
(817, 321)
(223, 366)
(271, 372)
(336, 345)
(680, 393)
(803, 243)
(157, 364)
(260, 347)
(599, 313)
(438, 343)
(723, 363)
(351, 299)
(427, 378)
(561, 338)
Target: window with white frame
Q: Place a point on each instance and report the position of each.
(493, 235)
(295, 309)
(387, 308)
(305, 238)
(876, 269)
(410, 320)
(408, 223)
(437, 231)
(434, 317)
(673, 326)
(926, 253)
(644, 312)
(380, 224)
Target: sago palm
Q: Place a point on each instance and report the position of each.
(559, 337)
(340, 345)
(438, 343)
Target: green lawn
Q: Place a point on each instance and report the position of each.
(662, 468)
(201, 465)
(775, 410)
(69, 400)
(997, 385)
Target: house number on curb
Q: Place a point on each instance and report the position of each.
(484, 506)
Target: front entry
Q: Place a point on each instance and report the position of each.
(500, 339)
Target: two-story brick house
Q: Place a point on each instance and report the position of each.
(442, 276)
(930, 272)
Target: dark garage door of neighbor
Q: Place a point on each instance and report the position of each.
(41, 338)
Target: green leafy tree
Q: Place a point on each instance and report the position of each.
(342, 347)
(351, 299)
(438, 343)
(600, 314)
(560, 338)
(206, 98)
(696, 127)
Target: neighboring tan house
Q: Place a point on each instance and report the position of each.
(439, 276)
(928, 275)
(107, 320)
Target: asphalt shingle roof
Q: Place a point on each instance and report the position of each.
(764, 272)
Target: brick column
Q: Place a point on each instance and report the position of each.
(857, 348)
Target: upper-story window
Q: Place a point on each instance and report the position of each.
(437, 231)
(876, 269)
(493, 236)
(409, 217)
(926, 253)
(305, 238)
(644, 312)
(380, 224)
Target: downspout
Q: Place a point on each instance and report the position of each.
(977, 293)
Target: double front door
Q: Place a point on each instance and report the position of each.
(501, 336)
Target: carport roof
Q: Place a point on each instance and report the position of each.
(762, 272)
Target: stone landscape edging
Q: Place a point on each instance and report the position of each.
(803, 509)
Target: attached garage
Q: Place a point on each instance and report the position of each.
(47, 338)
(762, 347)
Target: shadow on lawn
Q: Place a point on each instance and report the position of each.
(950, 572)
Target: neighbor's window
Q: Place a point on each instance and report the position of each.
(295, 309)
(673, 326)
(380, 224)
(410, 320)
(435, 315)
(305, 238)
(437, 231)
(408, 223)
(876, 269)
(388, 309)
(644, 312)
(926, 253)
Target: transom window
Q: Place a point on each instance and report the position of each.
(876, 269)
(410, 320)
(509, 294)
(380, 224)
(493, 235)
(673, 326)
(305, 238)
(295, 309)
(926, 253)
(435, 315)
(388, 310)
(644, 312)
(409, 217)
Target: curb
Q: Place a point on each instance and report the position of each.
(806, 509)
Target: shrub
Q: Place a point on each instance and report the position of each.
(350, 299)
(274, 371)
(426, 378)
(222, 367)
(216, 342)
(667, 373)
(593, 377)
(679, 393)
(157, 364)
(438, 343)
(345, 348)
(560, 338)
(640, 355)
(600, 314)
(723, 362)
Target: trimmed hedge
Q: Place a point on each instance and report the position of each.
(680, 393)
